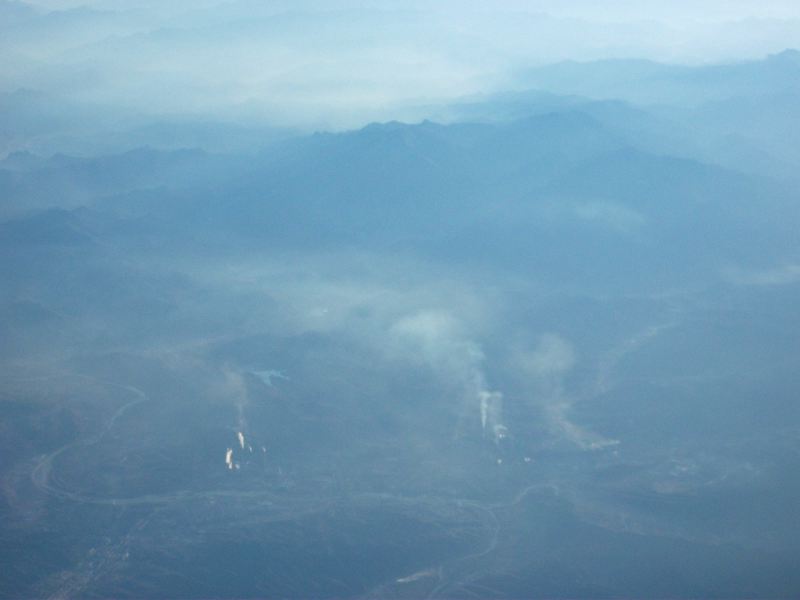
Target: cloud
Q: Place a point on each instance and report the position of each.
(783, 275)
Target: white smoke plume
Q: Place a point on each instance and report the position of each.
(236, 389)
(438, 340)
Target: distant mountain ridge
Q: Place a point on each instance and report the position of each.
(649, 82)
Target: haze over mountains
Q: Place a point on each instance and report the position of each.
(340, 64)
(327, 300)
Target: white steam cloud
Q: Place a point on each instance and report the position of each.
(437, 339)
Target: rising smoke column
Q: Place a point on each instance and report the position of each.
(437, 339)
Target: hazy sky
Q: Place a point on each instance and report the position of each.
(340, 63)
(615, 9)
